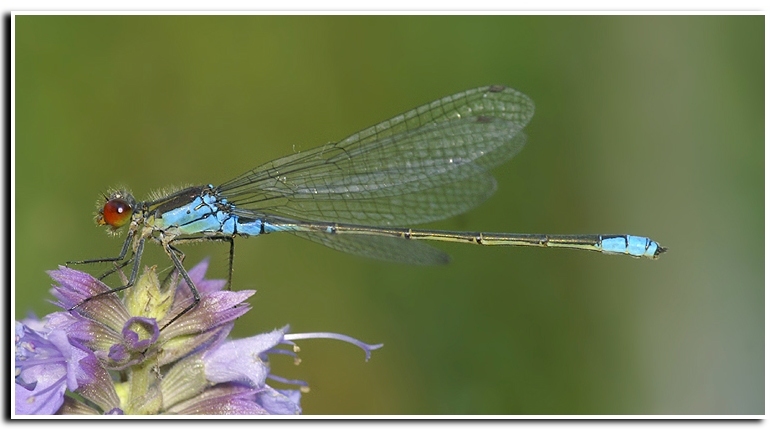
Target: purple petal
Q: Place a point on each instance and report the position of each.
(100, 389)
(71, 406)
(94, 335)
(186, 345)
(46, 399)
(280, 402)
(32, 322)
(71, 355)
(239, 360)
(91, 333)
(45, 367)
(222, 399)
(75, 287)
(214, 309)
(119, 354)
(149, 332)
(138, 334)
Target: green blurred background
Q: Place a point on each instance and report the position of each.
(650, 125)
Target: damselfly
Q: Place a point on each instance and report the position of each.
(358, 195)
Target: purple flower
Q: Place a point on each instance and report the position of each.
(47, 362)
(112, 352)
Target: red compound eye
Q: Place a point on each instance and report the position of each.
(116, 213)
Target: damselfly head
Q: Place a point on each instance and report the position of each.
(116, 210)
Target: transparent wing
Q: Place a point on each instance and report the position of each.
(427, 164)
